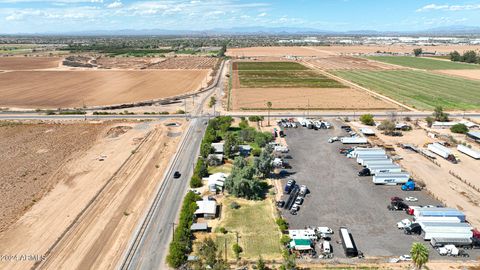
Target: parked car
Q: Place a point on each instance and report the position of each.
(396, 199)
(289, 186)
(281, 203)
(195, 191)
(177, 174)
(411, 199)
(405, 258)
(325, 230)
(295, 207)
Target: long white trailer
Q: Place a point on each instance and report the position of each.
(430, 235)
(468, 151)
(353, 140)
(445, 226)
(391, 178)
(378, 162)
(362, 161)
(439, 150)
(379, 170)
(366, 151)
(437, 219)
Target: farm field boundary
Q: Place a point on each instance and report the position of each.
(422, 63)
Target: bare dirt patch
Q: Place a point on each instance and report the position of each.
(303, 98)
(126, 62)
(349, 63)
(186, 63)
(31, 154)
(276, 52)
(473, 74)
(119, 187)
(27, 63)
(60, 89)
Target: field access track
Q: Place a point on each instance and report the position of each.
(419, 89)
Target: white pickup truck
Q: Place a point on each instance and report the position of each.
(403, 223)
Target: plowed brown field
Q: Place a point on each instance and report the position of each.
(27, 63)
(324, 51)
(61, 89)
(349, 63)
(303, 98)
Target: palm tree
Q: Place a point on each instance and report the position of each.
(269, 105)
(419, 253)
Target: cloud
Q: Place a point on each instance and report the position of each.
(116, 4)
(263, 14)
(431, 7)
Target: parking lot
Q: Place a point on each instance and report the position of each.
(338, 197)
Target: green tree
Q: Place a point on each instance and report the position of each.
(419, 253)
(440, 115)
(263, 164)
(231, 144)
(195, 181)
(470, 57)
(243, 123)
(201, 168)
(208, 256)
(269, 106)
(417, 52)
(237, 249)
(459, 128)
(282, 224)
(256, 118)
(387, 126)
(212, 102)
(261, 264)
(285, 239)
(367, 119)
(205, 149)
(289, 261)
(455, 56)
(429, 121)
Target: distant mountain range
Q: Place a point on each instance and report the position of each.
(279, 31)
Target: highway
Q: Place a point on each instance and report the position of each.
(149, 246)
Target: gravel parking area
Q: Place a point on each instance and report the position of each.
(338, 197)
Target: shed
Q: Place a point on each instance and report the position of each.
(367, 131)
(301, 244)
(474, 135)
(469, 124)
(215, 159)
(441, 125)
(206, 209)
(216, 181)
(217, 148)
(199, 227)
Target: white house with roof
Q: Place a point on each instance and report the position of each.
(216, 181)
(206, 208)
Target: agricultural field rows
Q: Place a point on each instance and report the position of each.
(422, 63)
(420, 89)
(281, 75)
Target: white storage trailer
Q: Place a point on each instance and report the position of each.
(439, 150)
(365, 151)
(353, 140)
(437, 219)
(456, 227)
(439, 212)
(391, 169)
(378, 162)
(429, 235)
(363, 161)
(468, 151)
(390, 178)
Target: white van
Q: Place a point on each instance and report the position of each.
(326, 247)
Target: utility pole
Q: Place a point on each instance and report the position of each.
(237, 237)
(225, 250)
(185, 108)
(173, 230)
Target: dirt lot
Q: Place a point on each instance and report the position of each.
(60, 89)
(186, 63)
(126, 62)
(27, 63)
(439, 181)
(302, 98)
(116, 190)
(324, 51)
(469, 74)
(349, 63)
(31, 154)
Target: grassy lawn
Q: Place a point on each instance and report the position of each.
(422, 63)
(254, 221)
(281, 75)
(420, 89)
(225, 168)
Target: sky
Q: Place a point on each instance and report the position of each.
(62, 16)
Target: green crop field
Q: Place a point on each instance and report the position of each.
(422, 63)
(281, 75)
(420, 89)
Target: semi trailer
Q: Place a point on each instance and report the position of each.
(438, 212)
(353, 140)
(464, 242)
(369, 164)
(377, 170)
(348, 243)
(437, 219)
(363, 160)
(442, 151)
(364, 151)
(390, 178)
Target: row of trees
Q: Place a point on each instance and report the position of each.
(467, 57)
(181, 244)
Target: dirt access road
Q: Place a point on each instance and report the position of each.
(100, 203)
